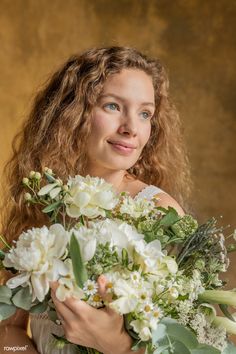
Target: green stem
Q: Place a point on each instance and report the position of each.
(4, 242)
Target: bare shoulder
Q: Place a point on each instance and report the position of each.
(164, 200)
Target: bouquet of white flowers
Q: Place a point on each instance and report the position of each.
(162, 269)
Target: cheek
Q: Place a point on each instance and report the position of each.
(146, 133)
(101, 125)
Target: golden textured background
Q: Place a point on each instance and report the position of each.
(194, 39)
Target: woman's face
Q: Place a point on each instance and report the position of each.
(121, 120)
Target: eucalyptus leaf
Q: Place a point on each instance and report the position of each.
(179, 347)
(5, 295)
(39, 308)
(205, 349)
(6, 311)
(162, 350)
(79, 267)
(51, 207)
(180, 333)
(230, 349)
(159, 333)
(23, 298)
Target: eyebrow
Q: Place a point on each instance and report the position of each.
(123, 99)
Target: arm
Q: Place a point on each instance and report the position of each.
(13, 333)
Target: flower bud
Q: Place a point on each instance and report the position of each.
(65, 188)
(60, 343)
(32, 174)
(37, 175)
(200, 264)
(25, 181)
(47, 170)
(27, 196)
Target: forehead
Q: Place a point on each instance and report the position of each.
(132, 83)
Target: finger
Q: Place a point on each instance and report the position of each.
(102, 289)
(63, 312)
(54, 285)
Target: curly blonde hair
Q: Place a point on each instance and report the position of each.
(55, 133)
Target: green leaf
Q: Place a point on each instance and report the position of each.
(5, 295)
(50, 178)
(46, 189)
(125, 257)
(159, 333)
(170, 218)
(2, 254)
(51, 207)
(224, 309)
(39, 308)
(163, 349)
(6, 311)
(230, 349)
(180, 333)
(79, 268)
(205, 349)
(23, 299)
(179, 347)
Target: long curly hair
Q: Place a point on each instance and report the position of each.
(56, 131)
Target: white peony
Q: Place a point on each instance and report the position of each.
(89, 196)
(37, 255)
(116, 233)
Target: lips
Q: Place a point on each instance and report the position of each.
(121, 147)
(121, 143)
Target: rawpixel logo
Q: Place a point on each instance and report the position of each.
(15, 348)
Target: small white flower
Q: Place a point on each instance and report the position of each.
(95, 300)
(136, 207)
(90, 287)
(173, 292)
(135, 277)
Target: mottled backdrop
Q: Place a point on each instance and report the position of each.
(195, 39)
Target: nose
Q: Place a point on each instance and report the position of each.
(128, 125)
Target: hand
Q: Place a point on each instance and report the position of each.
(101, 329)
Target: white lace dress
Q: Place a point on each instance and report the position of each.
(41, 327)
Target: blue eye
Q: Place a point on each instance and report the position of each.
(147, 114)
(113, 105)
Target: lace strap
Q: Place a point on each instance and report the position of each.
(149, 192)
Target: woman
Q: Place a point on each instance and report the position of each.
(105, 113)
